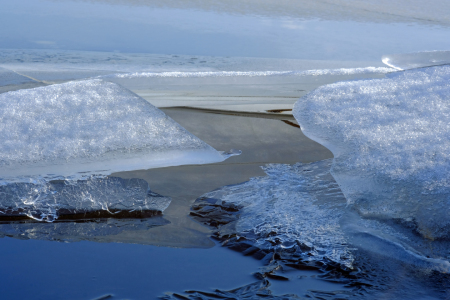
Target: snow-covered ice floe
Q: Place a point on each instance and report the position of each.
(90, 126)
(391, 142)
(59, 143)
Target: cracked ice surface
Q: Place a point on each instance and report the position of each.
(391, 142)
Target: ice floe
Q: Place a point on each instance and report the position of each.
(299, 214)
(390, 138)
(59, 143)
(90, 126)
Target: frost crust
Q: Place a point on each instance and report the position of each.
(292, 205)
(391, 142)
(85, 122)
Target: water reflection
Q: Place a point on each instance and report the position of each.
(99, 230)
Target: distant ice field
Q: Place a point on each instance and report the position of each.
(221, 83)
(331, 30)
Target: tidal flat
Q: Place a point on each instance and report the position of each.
(224, 149)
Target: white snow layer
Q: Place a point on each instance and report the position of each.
(391, 142)
(319, 72)
(90, 126)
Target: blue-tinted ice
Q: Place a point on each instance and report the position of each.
(48, 200)
(91, 126)
(391, 142)
(302, 207)
(292, 204)
(59, 143)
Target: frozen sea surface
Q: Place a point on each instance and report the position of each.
(331, 30)
(310, 43)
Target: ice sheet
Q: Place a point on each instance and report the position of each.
(254, 91)
(407, 61)
(91, 126)
(45, 62)
(391, 142)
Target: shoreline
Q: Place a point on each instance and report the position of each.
(184, 184)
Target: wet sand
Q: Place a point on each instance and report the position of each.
(263, 139)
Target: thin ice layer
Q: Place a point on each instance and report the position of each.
(292, 204)
(391, 142)
(302, 207)
(90, 126)
(406, 61)
(108, 196)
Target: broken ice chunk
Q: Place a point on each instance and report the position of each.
(90, 198)
(91, 126)
(391, 142)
